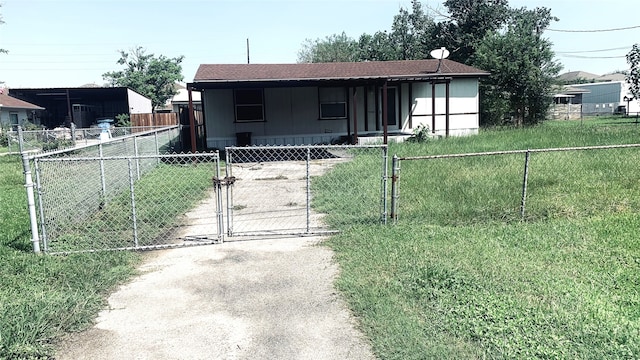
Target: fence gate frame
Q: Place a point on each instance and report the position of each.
(133, 176)
(230, 181)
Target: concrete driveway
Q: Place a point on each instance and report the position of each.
(244, 299)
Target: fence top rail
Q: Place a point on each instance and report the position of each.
(506, 152)
(113, 140)
(214, 155)
(303, 147)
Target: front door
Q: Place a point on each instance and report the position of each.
(392, 107)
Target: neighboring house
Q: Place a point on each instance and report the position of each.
(83, 105)
(312, 103)
(602, 98)
(567, 103)
(14, 112)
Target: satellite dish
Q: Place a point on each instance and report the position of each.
(440, 54)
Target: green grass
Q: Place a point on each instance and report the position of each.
(42, 297)
(461, 277)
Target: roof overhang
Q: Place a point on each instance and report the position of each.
(342, 81)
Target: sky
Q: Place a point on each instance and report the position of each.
(70, 43)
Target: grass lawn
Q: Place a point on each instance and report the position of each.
(461, 277)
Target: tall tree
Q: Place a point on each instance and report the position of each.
(467, 24)
(522, 68)
(633, 77)
(334, 48)
(150, 75)
(376, 47)
(411, 33)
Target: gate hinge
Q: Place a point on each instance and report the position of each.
(225, 181)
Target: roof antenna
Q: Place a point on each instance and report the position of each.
(248, 51)
(439, 54)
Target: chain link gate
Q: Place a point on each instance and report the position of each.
(290, 190)
(129, 202)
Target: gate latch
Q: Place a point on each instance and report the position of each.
(225, 181)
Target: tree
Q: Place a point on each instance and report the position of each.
(375, 48)
(411, 33)
(633, 77)
(522, 68)
(151, 76)
(334, 48)
(467, 24)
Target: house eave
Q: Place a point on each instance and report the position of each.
(202, 84)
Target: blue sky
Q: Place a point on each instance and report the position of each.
(59, 43)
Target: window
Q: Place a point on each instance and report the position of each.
(333, 103)
(249, 104)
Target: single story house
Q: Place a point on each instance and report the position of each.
(320, 103)
(83, 105)
(14, 112)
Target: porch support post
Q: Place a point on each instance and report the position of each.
(399, 108)
(385, 113)
(433, 106)
(192, 121)
(346, 91)
(377, 105)
(69, 112)
(366, 108)
(355, 116)
(410, 107)
(447, 83)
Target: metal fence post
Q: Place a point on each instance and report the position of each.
(524, 184)
(135, 152)
(395, 177)
(155, 138)
(43, 227)
(134, 220)
(308, 184)
(229, 173)
(103, 181)
(31, 203)
(385, 175)
(20, 140)
(73, 134)
(219, 212)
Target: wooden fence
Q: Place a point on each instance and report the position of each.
(157, 119)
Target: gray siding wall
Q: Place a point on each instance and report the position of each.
(292, 114)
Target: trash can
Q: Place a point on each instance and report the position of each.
(243, 139)
(105, 128)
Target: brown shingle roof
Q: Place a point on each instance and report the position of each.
(7, 101)
(333, 71)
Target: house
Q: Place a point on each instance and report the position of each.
(602, 98)
(83, 105)
(14, 112)
(567, 103)
(313, 103)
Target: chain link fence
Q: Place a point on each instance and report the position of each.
(113, 194)
(509, 186)
(47, 140)
(304, 189)
(127, 202)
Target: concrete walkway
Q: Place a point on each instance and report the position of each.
(244, 299)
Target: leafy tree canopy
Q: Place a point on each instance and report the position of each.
(150, 75)
(334, 48)
(633, 77)
(522, 66)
